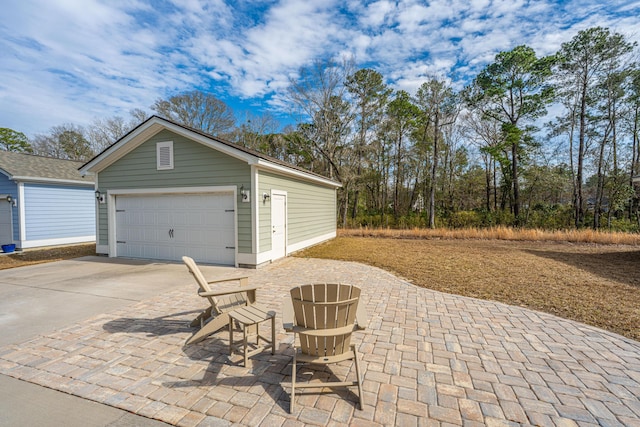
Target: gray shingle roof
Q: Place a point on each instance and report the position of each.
(35, 168)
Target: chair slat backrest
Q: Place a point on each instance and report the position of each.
(325, 306)
(220, 304)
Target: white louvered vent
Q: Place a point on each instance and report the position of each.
(164, 155)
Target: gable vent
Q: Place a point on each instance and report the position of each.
(164, 155)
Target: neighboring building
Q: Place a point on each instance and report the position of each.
(167, 190)
(44, 202)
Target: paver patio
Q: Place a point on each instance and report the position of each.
(428, 359)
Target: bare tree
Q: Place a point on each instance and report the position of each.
(488, 137)
(67, 141)
(255, 131)
(101, 133)
(439, 107)
(319, 94)
(198, 110)
(369, 94)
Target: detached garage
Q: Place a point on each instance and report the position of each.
(166, 190)
(44, 202)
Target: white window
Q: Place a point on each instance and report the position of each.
(164, 155)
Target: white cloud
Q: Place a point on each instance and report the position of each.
(375, 14)
(73, 60)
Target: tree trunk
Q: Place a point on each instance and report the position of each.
(487, 177)
(574, 194)
(516, 187)
(396, 193)
(495, 187)
(434, 166)
(597, 209)
(634, 155)
(581, 148)
(346, 206)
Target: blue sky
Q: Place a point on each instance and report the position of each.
(72, 61)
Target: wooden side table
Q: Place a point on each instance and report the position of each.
(246, 317)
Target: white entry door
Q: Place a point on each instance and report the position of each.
(169, 226)
(6, 222)
(278, 226)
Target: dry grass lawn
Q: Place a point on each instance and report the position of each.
(594, 284)
(38, 256)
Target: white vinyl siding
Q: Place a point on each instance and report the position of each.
(54, 212)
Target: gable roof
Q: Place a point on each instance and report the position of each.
(155, 124)
(30, 168)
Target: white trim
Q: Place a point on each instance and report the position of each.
(111, 206)
(51, 180)
(295, 247)
(254, 260)
(235, 224)
(54, 242)
(255, 211)
(102, 249)
(111, 221)
(264, 257)
(246, 259)
(22, 221)
(97, 210)
(159, 146)
(269, 166)
(175, 190)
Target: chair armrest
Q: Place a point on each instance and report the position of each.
(244, 280)
(248, 289)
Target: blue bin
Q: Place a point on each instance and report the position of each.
(8, 248)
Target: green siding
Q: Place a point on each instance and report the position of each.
(311, 209)
(195, 165)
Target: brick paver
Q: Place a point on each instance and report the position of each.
(428, 358)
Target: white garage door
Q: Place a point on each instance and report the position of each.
(167, 227)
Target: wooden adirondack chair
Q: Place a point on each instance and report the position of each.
(324, 317)
(221, 302)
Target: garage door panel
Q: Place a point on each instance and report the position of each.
(201, 226)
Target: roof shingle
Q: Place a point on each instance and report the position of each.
(21, 165)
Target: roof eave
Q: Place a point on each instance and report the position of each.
(51, 180)
(267, 165)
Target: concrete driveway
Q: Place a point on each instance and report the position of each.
(36, 300)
